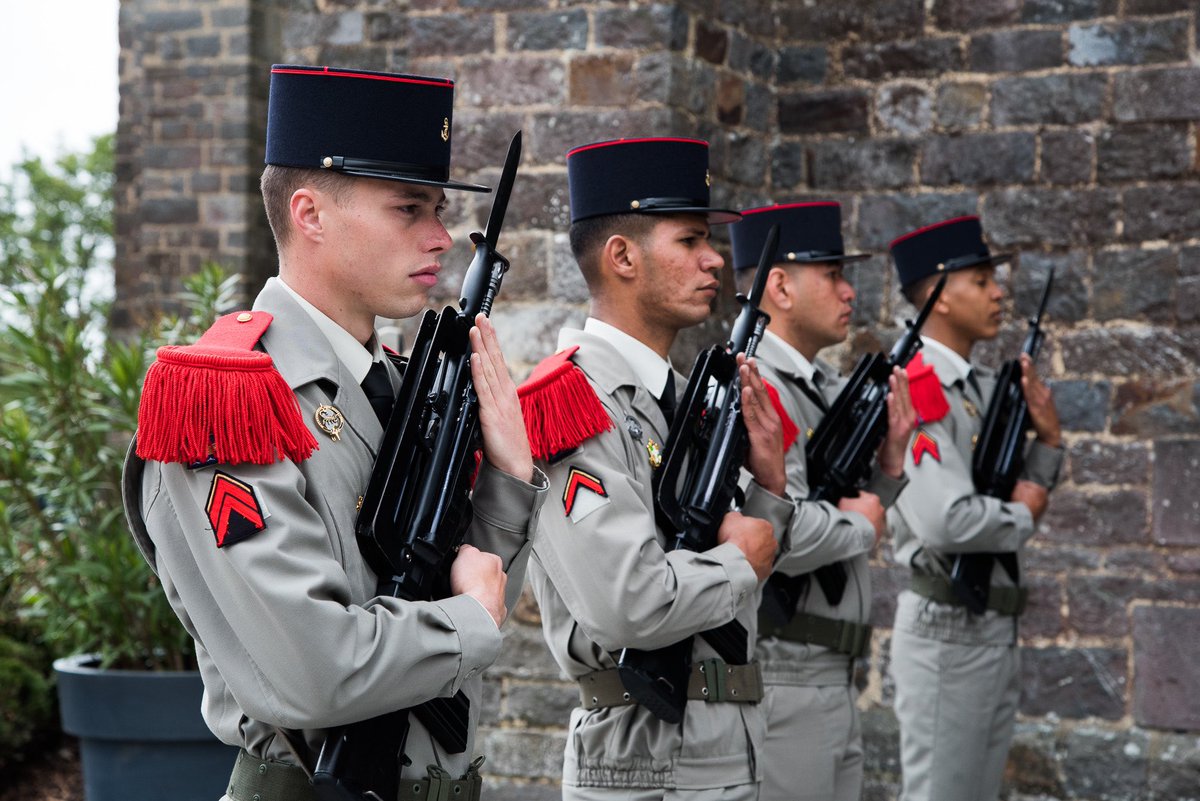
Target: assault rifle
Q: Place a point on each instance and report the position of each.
(840, 452)
(693, 490)
(417, 508)
(997, 462)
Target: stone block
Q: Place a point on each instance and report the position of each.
(1032, 765)
(788, 166)
(1048, 217)
(550, 135)
(1176, 501)
(1165, 655)
(170, 210)
(1102, 462)
(745, 159)
(1082, 405)
(1175, 768)
(1057, 99)
(1128, 42)
(1074, 682)
(882, 218)
(1135, 561)
(556, 30)
(866, 20)
(751, 57)
(861, 164)
(912, 58)
(1043, 614)
(881, 742)
(601, 80)
(869, 278)
(1099, 604)
(1043, 557)
(967, 15)
(1171, 93)
(802, 64)
(1100, 517)
(1135, 284)
(541, 704)
(527, 81)
(480, 142)
(566, 281)
(524, 654)
(1151, 213)
(712, 42)
(1015, 50)
(961, 105)
(825, 111)
(1067, 156)
(756, 17)
(1068, 297)
(522, 753)
(530, 331)
(1143, 152)
(153, 22)
(978, 159)
(208, 46)
(1156, 407)
(1135, 7)
(1050, 11)
(904, 108)
(652, 25)
(1106, 765)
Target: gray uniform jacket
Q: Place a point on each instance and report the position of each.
(289, 631)
(940, 513)
(604, 582)
(820, 533)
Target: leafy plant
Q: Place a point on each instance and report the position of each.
(69, 569)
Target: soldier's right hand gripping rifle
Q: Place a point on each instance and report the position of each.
(840, 453)
(694, 487)
(997, 462)
(416, 511)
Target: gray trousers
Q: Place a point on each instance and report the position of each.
(956, 705)
(814, 748)
(742, 792)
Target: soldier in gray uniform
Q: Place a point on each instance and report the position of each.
(814, 741)
(957, 673)
(255, 445)
(598, 414)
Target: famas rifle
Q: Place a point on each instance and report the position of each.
(694, 487)
(840, 453)
(417, 508)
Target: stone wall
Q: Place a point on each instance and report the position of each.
(1069, 126)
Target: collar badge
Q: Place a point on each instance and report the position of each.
(330, 420)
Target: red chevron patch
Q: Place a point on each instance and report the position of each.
(233, 510)
(577, 480)
(925, 444)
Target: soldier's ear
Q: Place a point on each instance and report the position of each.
(779, 290)
(304, 213)
(621, 256)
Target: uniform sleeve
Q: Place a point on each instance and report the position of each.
(597, 543)
(887, 488)
(941, 507)
(276, 613)
(1042, 464)
(506, 516)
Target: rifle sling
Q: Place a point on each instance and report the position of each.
(1005, 600)
(844, 636)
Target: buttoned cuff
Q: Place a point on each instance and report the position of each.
(886, 487)
(765, 505)
(504, 500)
(1042, 464)
(479, 639)
(743, 581)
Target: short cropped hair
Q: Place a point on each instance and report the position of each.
(588, 237)
(918, 291)
(278, 184)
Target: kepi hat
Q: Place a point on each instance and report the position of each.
(943, 247)
(809, 233)
(369, 124)
(665, 175)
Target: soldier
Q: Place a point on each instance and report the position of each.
(957, 673)
(814, 742)
(598, 413)
(255, 444)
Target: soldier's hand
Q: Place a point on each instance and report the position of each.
(1035, 496)
(754, 537)
(902, 421)
(765, 429)
(500, 422)
(480, 575)
(867, 504)
(1042, 411)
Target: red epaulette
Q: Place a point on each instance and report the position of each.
(928, 399)
(560, 408)
(219, 398)
(790, 429)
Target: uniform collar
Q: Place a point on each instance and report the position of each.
(950, 366)
(648, 367)
(795, 362)
(346, 348)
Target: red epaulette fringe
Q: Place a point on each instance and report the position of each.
(560, 408)
(790, 430)
(928, 398)
(221, 398)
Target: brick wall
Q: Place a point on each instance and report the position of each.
(1070, 126)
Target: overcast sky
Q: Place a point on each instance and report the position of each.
(58, 59)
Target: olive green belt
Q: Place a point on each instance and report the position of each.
(266, 780)
(844, 636)
(1005, 600)
(711, 680)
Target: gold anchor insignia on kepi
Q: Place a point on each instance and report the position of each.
(330, 420)
(445, 129)
(707, 178)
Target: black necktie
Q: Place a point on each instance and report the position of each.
(813, 392)
(378, 389)
(666, 400)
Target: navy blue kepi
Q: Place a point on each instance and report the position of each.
(664, 175)
(941, 248)
(370, 124)
(809, 233)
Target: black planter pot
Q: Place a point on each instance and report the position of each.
(140, 733)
